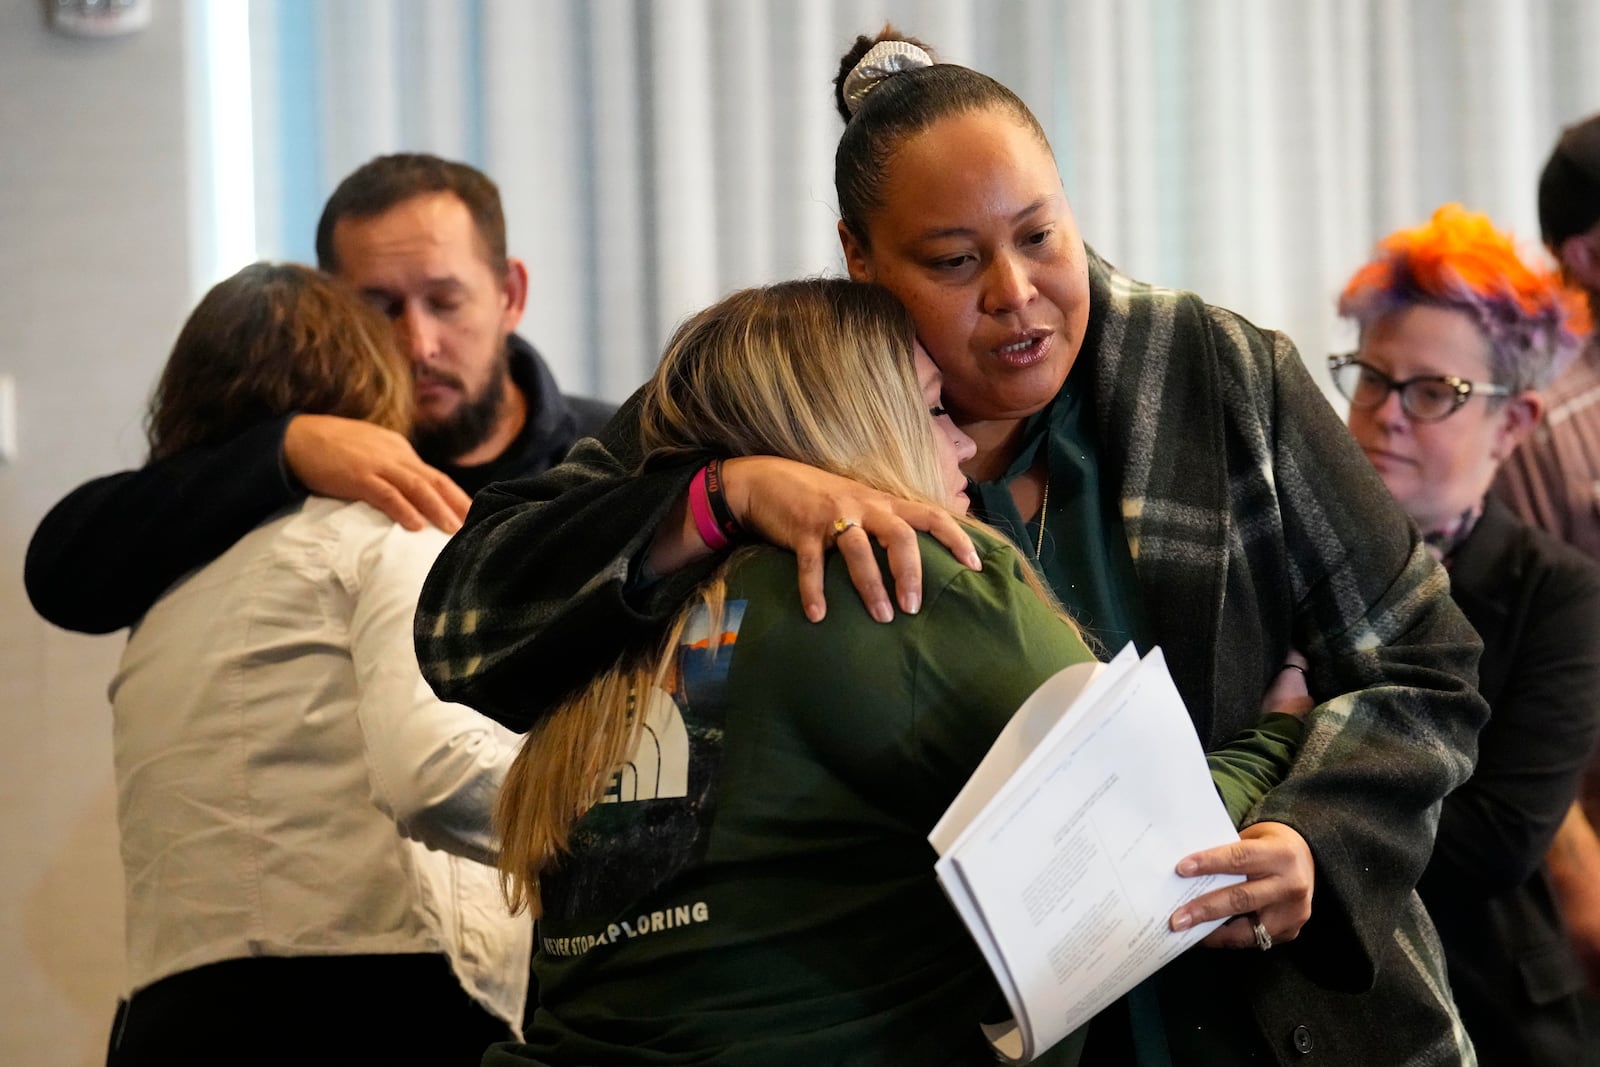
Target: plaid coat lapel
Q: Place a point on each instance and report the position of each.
(1155, 370)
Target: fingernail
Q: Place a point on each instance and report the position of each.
(974, 562)
(1187, 867)
(814, 612)
(1181, 920)
(913, 603)
(882, 612)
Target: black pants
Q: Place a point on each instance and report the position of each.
(305, 1010)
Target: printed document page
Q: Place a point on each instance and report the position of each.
(1061, 861)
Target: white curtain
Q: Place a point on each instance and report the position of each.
(655, 155)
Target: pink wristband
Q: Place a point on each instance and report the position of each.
(704, 522)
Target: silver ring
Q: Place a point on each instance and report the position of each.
(841, 525)
(1263, 939)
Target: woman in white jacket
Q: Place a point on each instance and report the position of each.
(285, 777)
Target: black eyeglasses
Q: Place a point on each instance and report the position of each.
(1427, 398)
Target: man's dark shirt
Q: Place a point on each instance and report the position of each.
(103, 555)
(554, 424)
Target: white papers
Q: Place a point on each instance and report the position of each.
(1059, 853)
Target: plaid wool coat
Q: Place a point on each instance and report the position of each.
(1255, 524)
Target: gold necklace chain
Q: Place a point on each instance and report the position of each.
(1038, 546)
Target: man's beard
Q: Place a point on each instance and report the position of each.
(469, 427)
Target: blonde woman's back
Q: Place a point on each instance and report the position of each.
(756, 886)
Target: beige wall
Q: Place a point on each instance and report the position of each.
(93, 285)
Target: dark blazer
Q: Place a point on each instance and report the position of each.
(1536, 603)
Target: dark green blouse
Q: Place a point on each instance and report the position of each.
(1084, 556)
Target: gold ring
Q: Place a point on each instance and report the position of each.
(841, 525)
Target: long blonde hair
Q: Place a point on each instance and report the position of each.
(817, 370)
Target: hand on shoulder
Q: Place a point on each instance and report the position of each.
(353, 460)
(810, 511)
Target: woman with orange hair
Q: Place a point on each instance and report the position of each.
(1458, 335)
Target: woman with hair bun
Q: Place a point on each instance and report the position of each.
(1458, 336)
(724, 836)
(1179, 480)
(284, 776)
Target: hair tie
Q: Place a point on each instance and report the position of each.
(883, 60)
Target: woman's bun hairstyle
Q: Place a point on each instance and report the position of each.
(863, 44)
(898, 88)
